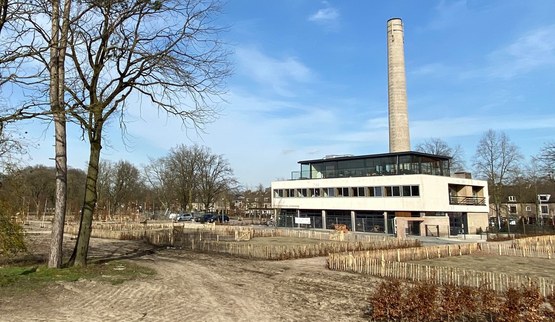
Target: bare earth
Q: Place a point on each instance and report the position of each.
(538, 267)
(199, 287)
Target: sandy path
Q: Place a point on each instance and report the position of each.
(202, 287)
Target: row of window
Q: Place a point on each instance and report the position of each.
(543, 209)
(384, 191)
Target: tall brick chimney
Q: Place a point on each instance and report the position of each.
(399, 137)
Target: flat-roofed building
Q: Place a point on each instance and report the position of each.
(396, 193)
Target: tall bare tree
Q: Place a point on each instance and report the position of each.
(438, 146)
(215, 178)
(497, 159)
(546, 159)
(119, 184)
(165, 51)
(58, 48)
(175, 176)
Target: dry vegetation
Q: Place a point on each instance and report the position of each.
(396, 301)
(216, 287)
(539, 267)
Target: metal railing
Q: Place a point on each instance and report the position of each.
(468, 201)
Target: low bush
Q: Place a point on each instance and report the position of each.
(395, 301)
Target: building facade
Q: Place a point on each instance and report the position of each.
(395, 193)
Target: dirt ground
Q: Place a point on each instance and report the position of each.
(538, 267)
(197, 287)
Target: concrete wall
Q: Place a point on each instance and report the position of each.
(477, 220)
(434, 194)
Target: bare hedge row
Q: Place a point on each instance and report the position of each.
(392, 300)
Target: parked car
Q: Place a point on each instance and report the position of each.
(207, 218)
(210, 218)
(185, 217)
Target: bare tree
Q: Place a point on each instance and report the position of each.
(175, 176)
(546, 159)
(28, 41)
(215, 178)
(58, 47)
(189, 174)
(439, 147)
(160, 181)
(118, 185)
(12, 148)
(165, 51)
(497, 159)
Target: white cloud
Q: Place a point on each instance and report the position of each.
(278, 74)
(327, 16)
(532, 51)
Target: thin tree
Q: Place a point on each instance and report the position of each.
(165, 51)
(497, 159)
(58, 47)
(439, 147)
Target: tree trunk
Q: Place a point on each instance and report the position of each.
(79, 256)
(58, 45)
(56, 242)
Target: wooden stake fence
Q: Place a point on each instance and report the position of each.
(499, 282)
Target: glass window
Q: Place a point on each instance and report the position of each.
(361, 191)
(378, 191)
(314, 192)
(387, 191)
(342, 192)
(415, 191)
(396, 191)
(406, 191)
(354, 192)
(331, 192)
(291, 193)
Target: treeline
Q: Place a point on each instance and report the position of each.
(184, 178)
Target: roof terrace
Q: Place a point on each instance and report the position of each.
(398, 163)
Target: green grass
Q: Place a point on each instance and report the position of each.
(27, 278)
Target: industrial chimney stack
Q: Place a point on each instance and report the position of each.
(399, 138)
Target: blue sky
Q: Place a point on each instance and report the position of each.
(310, 79)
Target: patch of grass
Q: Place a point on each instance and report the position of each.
(28, 278)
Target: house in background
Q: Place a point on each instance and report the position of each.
(527, 204)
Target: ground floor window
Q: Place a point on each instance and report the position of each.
(370, 222)
(338, 217)
(315, 218)
(458, 223)
(286, 218)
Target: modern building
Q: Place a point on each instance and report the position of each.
(400, 192)
(396, 193)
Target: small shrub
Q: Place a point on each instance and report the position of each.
(11, 236)
(385, 302)
(420, 302)
(489, 304)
